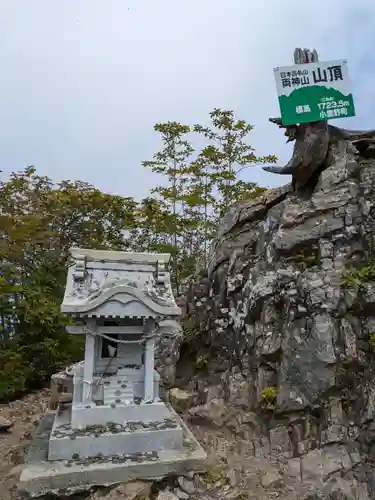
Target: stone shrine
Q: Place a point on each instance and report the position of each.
(121, 302)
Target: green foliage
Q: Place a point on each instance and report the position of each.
(39, 222)
(201, 186)
(202, 360)
(14, 372)
(356, 277)
(226, 156)
(372, 339)
(216, 476)
(268, 398)
(171, 161)
(191, 328)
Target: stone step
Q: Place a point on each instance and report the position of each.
(113, 398)
(118, 393)
(121, 387)
(128, 372)
(115, 381)
(153, 438)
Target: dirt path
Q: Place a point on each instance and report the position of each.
(25, 415)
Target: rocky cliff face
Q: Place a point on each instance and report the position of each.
(290, 365)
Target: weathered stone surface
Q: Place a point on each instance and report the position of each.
(61, 382)
(65, 397)
(181, 400)
(186, 485)
(275, 297)
(166, 495)
(66, 477)
(279, 318)
(167, 353)
(5, 424)
(271, 479)
(135, 490)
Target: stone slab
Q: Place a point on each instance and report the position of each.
(129, 439)
(41, 477)
(118, 414)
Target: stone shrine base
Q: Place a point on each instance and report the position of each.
(64, 477)
(112, 439)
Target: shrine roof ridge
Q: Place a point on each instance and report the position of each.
(160, 305)
(119, 256)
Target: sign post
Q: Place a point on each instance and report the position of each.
(314, 91)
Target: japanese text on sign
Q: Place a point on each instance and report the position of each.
(300, 77)
(314, 91)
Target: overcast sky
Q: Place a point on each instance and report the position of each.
(83, 82)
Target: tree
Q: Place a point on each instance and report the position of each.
(39, 222)
(172, 161)
(200, 189)
(152, 230)
(224, 158)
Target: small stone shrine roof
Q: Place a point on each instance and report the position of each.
(103, 283)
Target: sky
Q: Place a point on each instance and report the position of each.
(84, 81)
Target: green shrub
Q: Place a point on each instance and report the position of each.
(14, 373)
(202, 360)
(356, 277)
(29, 367)
(268, 398)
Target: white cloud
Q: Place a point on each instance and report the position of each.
(84, 81)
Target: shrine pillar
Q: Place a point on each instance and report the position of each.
(149, 363)
(88, 371)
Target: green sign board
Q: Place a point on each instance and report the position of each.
(313, 92)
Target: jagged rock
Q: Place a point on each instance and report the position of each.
(182, 495)
(167, 353)
(181, 400)
(5, 424)
(61, 382)
(186, 485)
(166, 495)
(65, 397)
(15, 472)
(341, 489)
(278, 302)
(281, 321)
(129, 491)
(271, 480)
(212, 413)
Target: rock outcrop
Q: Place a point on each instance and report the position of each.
(289, 334)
